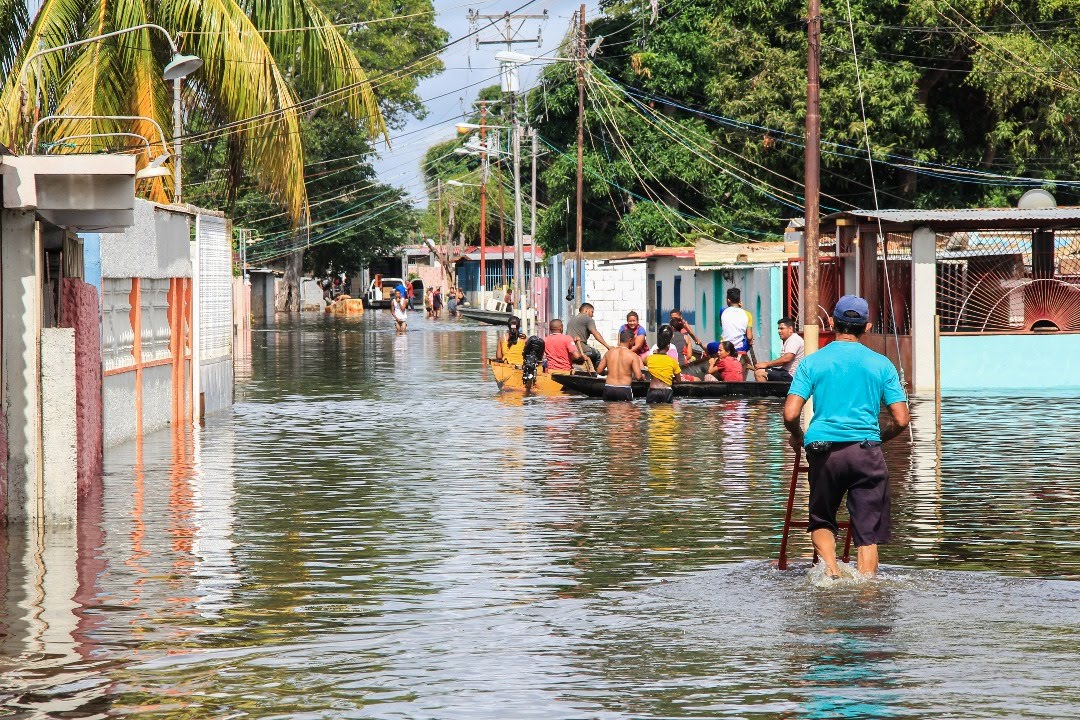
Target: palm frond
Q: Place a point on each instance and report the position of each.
(320, 56)
(57, 22)
(14, 22)
(242, 80)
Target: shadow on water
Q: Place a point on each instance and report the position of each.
(372, 531)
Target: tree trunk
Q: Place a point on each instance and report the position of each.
(289, 298)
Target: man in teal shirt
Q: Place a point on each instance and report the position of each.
(848, 382)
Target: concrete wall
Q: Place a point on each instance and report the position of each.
(311, 296)
(59, 427)
(1048, 361)
(20, 294)
(614, 289)
(156, 246)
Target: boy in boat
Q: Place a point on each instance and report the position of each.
(783, 368)
(623, 366)
(560, 351)
(848, 382)
(662, 368)
(684, 338)
(641, 344)
(511, 347)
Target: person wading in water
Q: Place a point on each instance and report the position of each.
(848, 382)
(662, 367)
(623, 366)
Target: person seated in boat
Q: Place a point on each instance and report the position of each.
(622, 366)
(581, 327)
(684, 338)
(663, 369)
(725, 365)
(560, 350)
(511, 345)
(641, 344)
(782, 369)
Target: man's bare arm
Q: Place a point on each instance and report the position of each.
(778, 362)
(897, 422)
(636, 371)
(596, 334)
(602, 366)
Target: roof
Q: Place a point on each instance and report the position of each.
(658, 252)
(736, 253)
(960, 219)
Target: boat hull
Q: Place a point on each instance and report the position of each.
(594, 387)
(489, 317)
(509, 379)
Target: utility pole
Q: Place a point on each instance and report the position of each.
(508, 37)
(532, 235)
(509, 34)
(579, 258)
(812, 178)
(483, 200)
(519, 262)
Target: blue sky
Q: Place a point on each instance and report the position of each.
(468, 70)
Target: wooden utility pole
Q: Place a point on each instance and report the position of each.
(532, 241)
(811, 226)
(502, 231)
(578, 257)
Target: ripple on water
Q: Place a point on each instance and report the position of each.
(373, 532)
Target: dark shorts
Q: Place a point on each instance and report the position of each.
(777, 375)
(857, 469)
(618, 393)
(658, 395)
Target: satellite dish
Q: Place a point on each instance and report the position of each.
(1036, 199)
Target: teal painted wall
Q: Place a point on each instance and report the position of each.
(1010, 362)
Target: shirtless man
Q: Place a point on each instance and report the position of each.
(623, 365)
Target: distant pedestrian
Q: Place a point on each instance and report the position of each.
(436, 303)
(848, 383)
(451, 303)
(399, 309)
(427, 302)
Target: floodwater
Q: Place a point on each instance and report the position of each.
(373, 532)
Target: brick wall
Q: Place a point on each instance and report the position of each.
(80, 311)
(614, 289)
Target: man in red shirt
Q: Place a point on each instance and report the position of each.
(560, 351)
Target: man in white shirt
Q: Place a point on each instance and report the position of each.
(737, 325)
(782, 369)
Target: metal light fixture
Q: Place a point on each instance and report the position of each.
(181, 66)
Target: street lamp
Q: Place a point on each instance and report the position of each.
(176, 70)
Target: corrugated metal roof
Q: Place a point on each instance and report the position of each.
(974, 218)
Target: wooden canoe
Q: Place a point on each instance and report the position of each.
(593, 386)
(508, 378)
(488, 317)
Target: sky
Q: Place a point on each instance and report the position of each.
(468, 70)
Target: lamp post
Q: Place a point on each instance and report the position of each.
(176, 70)
(509, 62)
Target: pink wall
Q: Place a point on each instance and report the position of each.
(80, 310)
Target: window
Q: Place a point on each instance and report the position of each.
(677, 292)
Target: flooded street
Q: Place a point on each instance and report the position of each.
(372, 531)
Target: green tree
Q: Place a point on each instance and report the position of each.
(695, 121)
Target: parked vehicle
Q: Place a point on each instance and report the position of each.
(380, 291)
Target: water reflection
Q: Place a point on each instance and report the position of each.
(373, 531)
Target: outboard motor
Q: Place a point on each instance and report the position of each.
(533, 358)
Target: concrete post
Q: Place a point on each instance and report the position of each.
(923, 309)
(20, 294)
(59, 430)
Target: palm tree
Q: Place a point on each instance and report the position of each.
(256, 53)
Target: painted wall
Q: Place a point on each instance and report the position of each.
(762, 293)
(672, 289)
(156, 246)
(59, 427)
(1010, 362)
